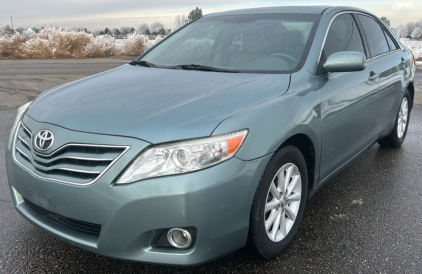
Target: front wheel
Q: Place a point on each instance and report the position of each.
(398, 134)
(279, 203)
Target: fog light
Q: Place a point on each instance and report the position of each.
(179, 238)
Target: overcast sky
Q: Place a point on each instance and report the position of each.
(98, 14)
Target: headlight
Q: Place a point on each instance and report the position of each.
(21, 112)
(183, 157)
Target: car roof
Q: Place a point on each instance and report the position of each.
(305, 9)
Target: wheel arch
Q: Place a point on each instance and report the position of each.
(304, 143)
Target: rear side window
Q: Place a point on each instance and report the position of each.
(392, 45)
(375, 34)
(343, 35)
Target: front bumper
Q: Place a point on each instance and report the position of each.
(216, 202)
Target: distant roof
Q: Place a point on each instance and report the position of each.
(279, 9)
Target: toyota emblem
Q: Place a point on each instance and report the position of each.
(44, 140)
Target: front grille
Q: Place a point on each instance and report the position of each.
(73, 224)
(80, 164)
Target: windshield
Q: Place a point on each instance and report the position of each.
(238, 43)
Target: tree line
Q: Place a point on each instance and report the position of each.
(410, 30)
(156, 28)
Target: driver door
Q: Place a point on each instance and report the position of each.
(348, 99)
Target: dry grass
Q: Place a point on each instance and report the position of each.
(34, 48)
(67, 44)
(135, 45)
(10, 46)
(101, 46)
(61, 43)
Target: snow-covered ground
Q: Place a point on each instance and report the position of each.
(414, 46)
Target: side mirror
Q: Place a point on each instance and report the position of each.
(345, 61)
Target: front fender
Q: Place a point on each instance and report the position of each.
(272, 122)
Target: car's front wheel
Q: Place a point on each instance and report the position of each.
(279, 203)
(398, 134)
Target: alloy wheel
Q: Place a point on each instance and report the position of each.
(402, 119)
(283, 202)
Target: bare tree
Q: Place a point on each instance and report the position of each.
(156, 28)
(144, 29)
(126, 30)
(180, 21)
(401, 31)
(410, 27)
(419, 24)
(7, 29)
(417, 33)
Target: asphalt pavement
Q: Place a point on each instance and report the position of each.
(366, 220)
(24, 79)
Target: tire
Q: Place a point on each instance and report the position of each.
(270, 243)
(398, 134)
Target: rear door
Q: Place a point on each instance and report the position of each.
(348, 99)
(391, 63)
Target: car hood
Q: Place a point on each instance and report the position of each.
(152, 104)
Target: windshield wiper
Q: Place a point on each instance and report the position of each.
(203, 68)
(142, 63)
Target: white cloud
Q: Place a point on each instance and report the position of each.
(403, 6)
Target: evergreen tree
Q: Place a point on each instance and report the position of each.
(195, 14)
(385, 20)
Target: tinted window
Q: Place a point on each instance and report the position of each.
(375, 34)
(392, 45)
(343, 35)
(264, 42)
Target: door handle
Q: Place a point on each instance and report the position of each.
(403, 61)
(373, 76)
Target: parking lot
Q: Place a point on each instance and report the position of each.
(366, 220)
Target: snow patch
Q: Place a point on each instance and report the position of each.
(414, 46)
(357, 202)
(338, 216)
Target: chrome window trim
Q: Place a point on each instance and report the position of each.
(383, 54)
(328, 28)
(367, 60)
(126, 148)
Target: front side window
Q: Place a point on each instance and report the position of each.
(375, 34)
(241, 43)
(343, 35)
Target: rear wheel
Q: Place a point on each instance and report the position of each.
(398, 134)
(279, 203)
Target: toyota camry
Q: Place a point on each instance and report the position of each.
(214, 138)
